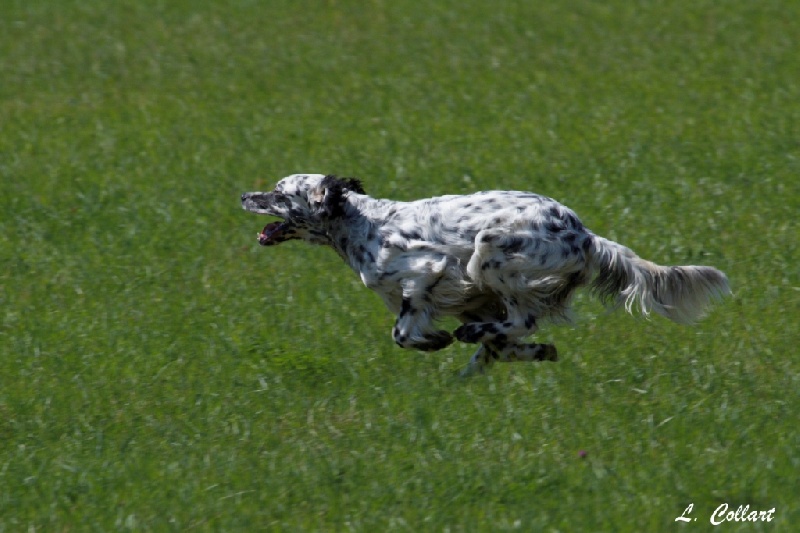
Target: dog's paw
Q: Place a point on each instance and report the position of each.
(434, 341)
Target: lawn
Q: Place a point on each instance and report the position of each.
(160, 371)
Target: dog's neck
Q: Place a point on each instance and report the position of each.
(356, 234)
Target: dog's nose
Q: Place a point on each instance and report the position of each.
(244, 197)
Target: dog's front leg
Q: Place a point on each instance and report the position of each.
(414, 327)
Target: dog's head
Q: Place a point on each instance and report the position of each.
(306, 203)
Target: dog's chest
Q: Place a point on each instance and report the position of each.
(387, 283)
(386, 272)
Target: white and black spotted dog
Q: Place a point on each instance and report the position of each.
(499, 261)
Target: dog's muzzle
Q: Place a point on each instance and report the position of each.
(261, 203)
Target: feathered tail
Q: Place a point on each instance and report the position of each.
(680, 293)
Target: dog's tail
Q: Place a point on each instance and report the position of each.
(680, 293)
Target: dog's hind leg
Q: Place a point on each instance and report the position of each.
(517, 351)
(491, 352)
(517, 324)
(499, 266)
(533, 276)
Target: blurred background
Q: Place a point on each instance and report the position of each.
(159, 370)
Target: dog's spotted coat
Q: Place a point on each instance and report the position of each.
(499, 261)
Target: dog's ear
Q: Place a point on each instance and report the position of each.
(328, 197)
(354, 185)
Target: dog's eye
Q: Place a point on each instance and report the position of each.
(281, 198)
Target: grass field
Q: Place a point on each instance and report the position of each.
(159, 371)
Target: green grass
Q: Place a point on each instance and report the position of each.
(160, 371)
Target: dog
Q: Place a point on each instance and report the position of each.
(501, 262)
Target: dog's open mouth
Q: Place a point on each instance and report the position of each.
(271, 233)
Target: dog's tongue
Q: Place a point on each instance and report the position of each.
(270, 232)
